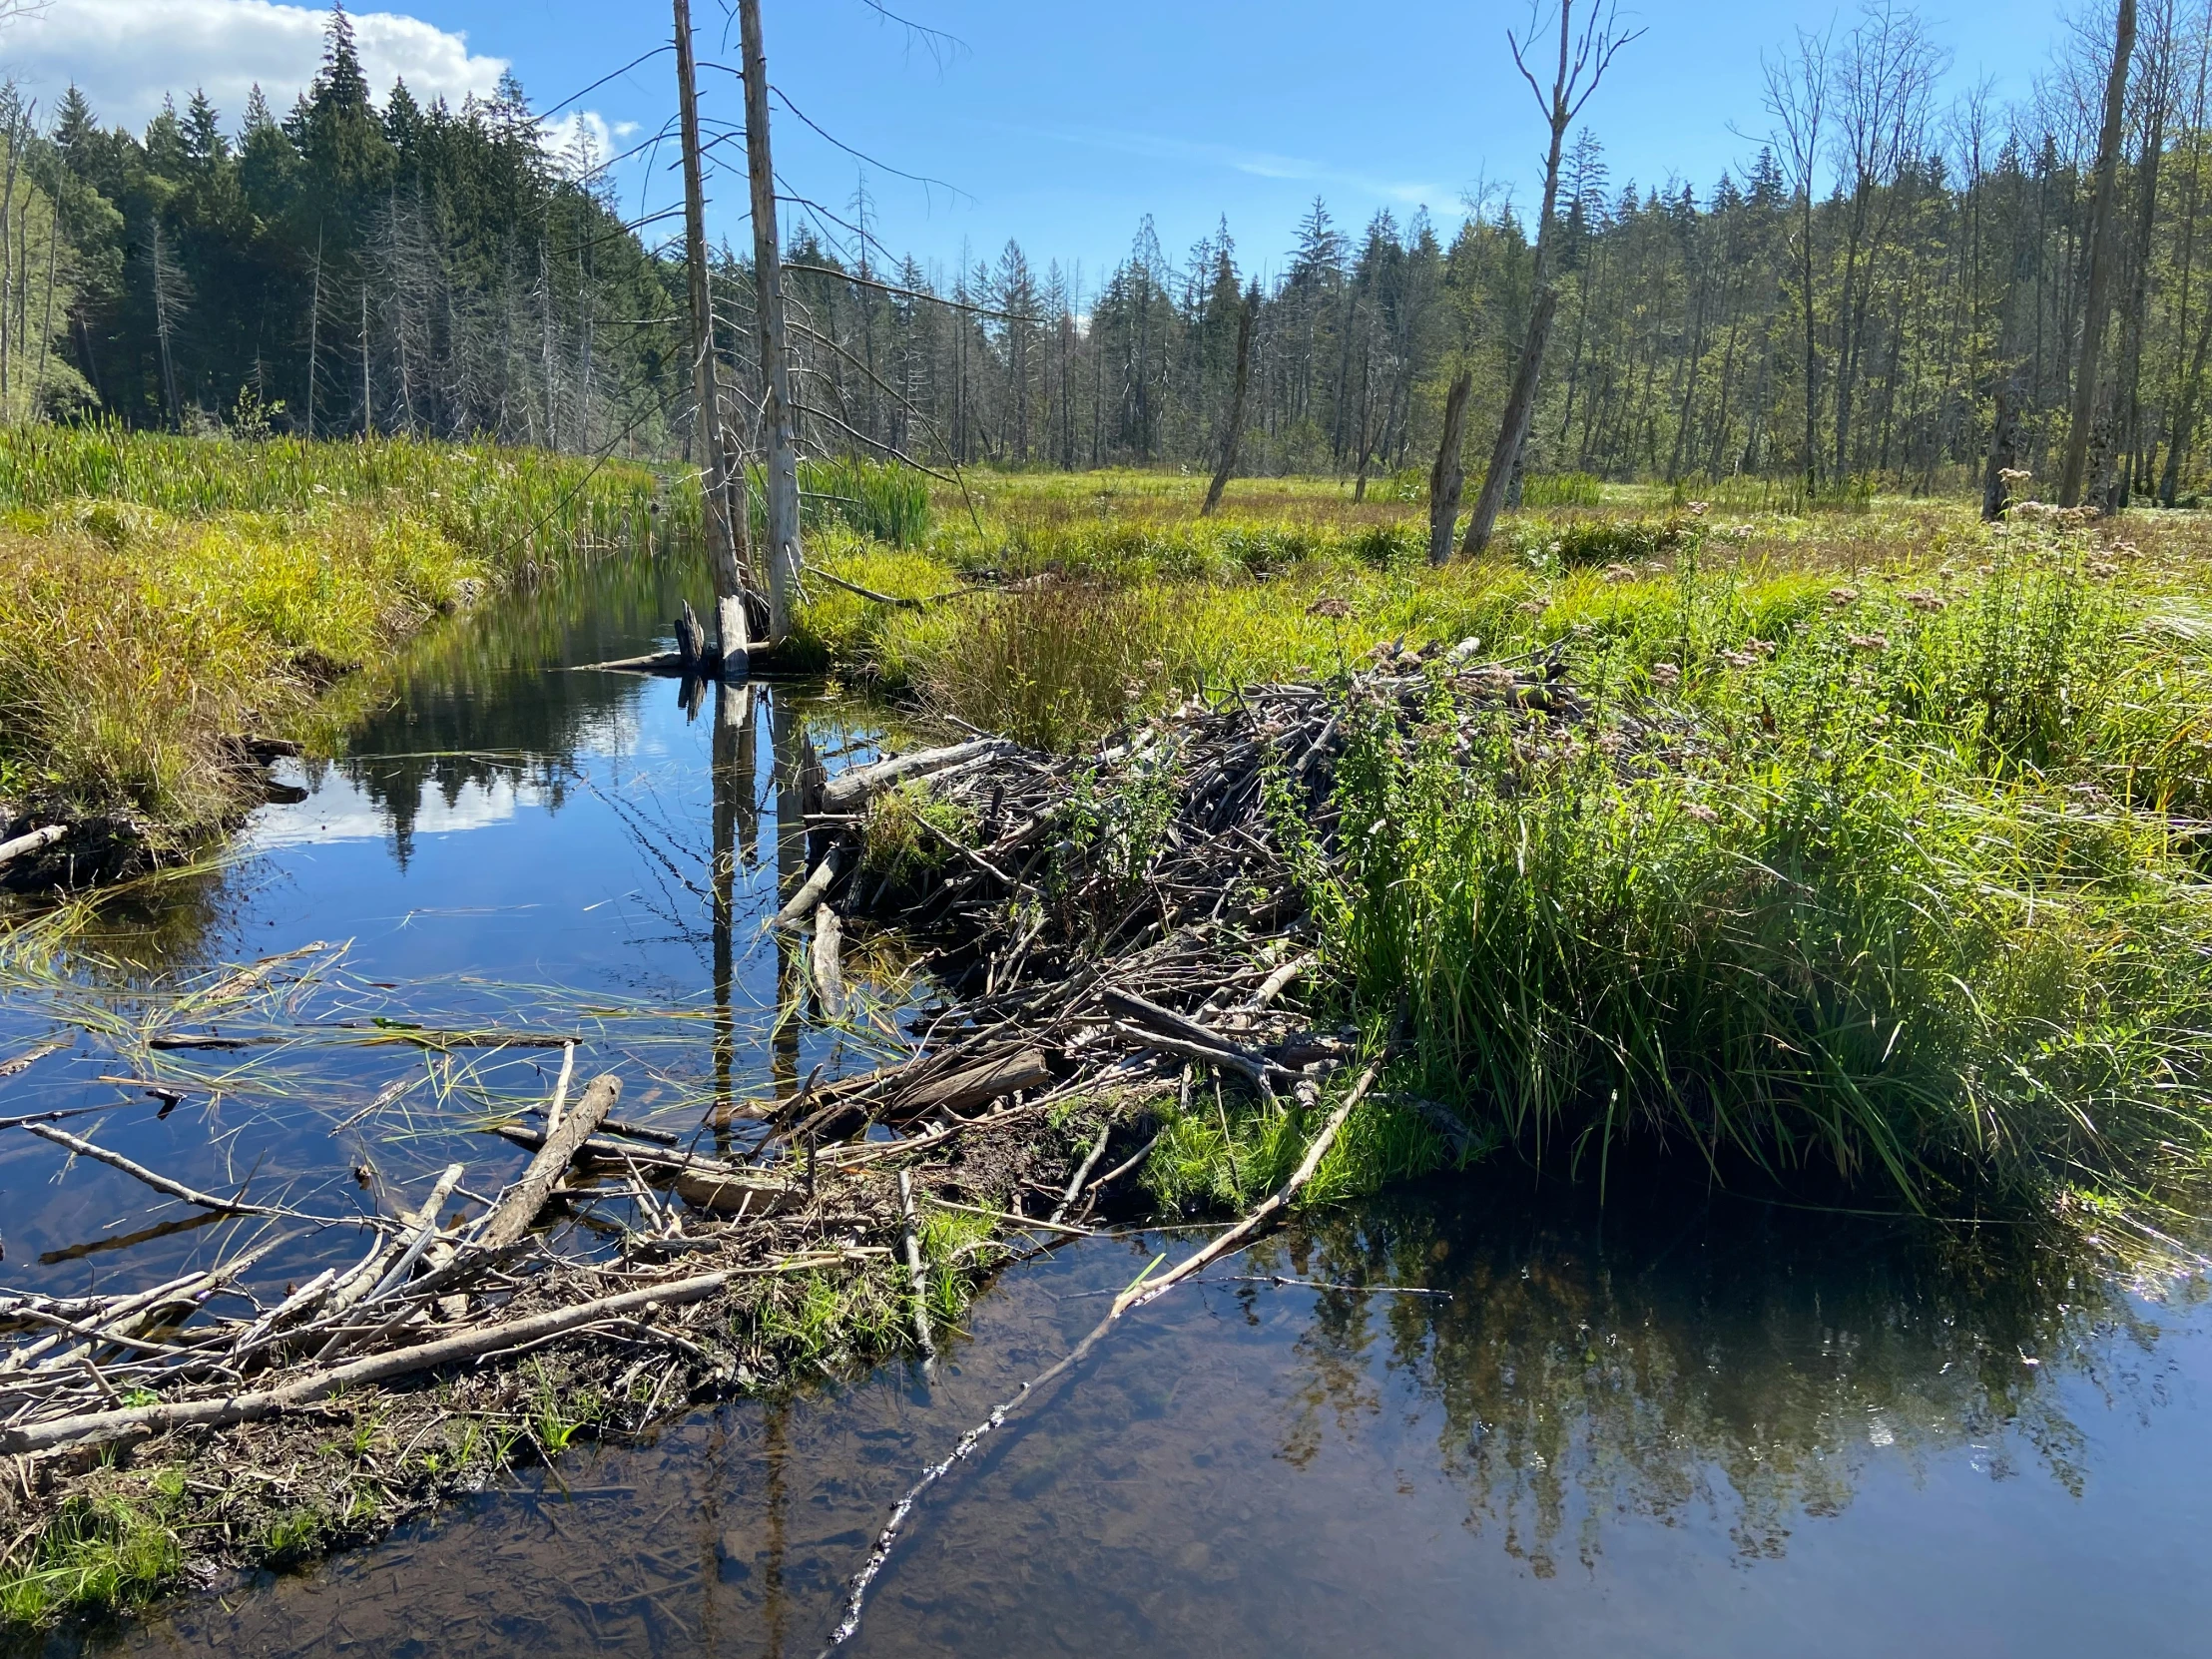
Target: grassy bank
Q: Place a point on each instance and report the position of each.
(159, 597)
(1882, 861)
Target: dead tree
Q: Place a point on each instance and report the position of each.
(2103, 227)
(1234, 433)
(785, 555)
(1450, 476)
(1582, 65)
(732, 637)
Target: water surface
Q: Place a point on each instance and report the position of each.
(1482, 1416)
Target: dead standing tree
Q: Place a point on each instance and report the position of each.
(1582, 65)
(2103, 255)
(1243, 383)
(1449, 476)
(785, 556)
(724, 528)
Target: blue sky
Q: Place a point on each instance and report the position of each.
(1063, 125)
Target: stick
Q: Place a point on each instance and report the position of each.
(97, 1428)
(1136, 1296)
(159, 1183)
(1144, 1291)
(426, 1228)
(22, 845)
(916, 1275)
(32, 1056)
(1273, 986)
(518, 1207)
(836, 581)
(810, 894)
(560, 1089)
(1075, 1182)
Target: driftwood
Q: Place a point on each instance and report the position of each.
(518, 1209)
(980, 1084)
(30, 1057)
(827, 961)
(735, 1194)
(851, 789)
(136, 1423)
(810, 891)
(32, 841)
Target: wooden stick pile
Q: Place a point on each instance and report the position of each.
(1112, 926)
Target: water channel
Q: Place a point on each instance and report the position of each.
(1485, 1415)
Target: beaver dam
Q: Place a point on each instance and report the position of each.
(353, 1231)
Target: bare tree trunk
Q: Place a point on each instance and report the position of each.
(368, 409)
(2005, 438)
(1600, 40)
(1235, 432)
(785, 555)
(732, 635)
(1449, 476)
(314, 325)
(2101, 259)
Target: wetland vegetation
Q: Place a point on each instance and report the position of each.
(1216, 838)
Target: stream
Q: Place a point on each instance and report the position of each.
(1486, 1415)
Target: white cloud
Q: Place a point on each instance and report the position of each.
(125, 54)
(600, 139)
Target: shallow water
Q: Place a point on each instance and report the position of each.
(1511, 1423)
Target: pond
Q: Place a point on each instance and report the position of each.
(1486, 1415)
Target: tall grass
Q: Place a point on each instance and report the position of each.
(159, 594)
(1856, 904)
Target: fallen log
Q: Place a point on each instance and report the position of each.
(25, 844)
(851, 788)
(137, 1421)
(517, 1210)
(978, 1084)
(737, 1197)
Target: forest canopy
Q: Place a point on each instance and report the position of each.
(1886, 279)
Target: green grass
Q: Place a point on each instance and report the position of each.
(159, 594)
(1905, 886)
(110, 1552)
(1889, 893)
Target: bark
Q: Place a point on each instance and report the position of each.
(1449, 476)
(1235, 432)
(732, 635)
(785, 555)
(518, 1209)
(2102, 252)
(1520, 408)
(1600, 40)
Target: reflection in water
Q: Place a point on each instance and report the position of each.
(1745, 1361)
(1680, 1423)
(506, 845)
(1686, 1427)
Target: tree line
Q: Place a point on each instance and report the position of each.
(1896, 290)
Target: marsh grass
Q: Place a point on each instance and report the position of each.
(1861, 903)
(159, 594)
(1904, 886)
